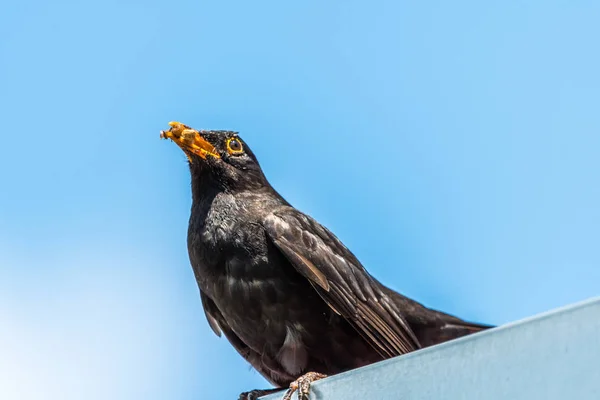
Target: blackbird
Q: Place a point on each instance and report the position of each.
(283, 289)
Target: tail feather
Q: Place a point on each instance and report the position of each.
(431, 326)
(430, 335)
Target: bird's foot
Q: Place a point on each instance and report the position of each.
(302, 385)
(255, 394)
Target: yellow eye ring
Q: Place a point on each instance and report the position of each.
(234, 146)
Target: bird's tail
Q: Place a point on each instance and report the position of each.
(450, 328)
(432, 326)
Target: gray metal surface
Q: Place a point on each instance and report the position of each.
(553, 356)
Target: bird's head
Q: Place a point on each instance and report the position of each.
(221, 158)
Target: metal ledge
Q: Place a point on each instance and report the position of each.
(552, 356)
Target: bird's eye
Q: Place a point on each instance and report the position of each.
(234, 146)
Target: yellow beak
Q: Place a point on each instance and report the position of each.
(189, 140)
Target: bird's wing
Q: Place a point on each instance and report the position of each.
(213, 315)
(341, 280)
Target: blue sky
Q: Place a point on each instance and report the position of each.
(452, 146)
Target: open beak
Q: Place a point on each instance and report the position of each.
(189, 140)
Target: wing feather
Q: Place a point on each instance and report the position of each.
(211, 312)
(340, 279)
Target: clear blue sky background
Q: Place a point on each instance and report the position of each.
(453, 146)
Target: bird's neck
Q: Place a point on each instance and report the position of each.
(204, 186)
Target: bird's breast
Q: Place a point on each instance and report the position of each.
(271, 314)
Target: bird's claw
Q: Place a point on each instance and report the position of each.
(255, 394)
(302, 385)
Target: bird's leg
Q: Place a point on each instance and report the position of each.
(302, 385)
(255, 394)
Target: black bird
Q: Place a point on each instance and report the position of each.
(284, 290)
